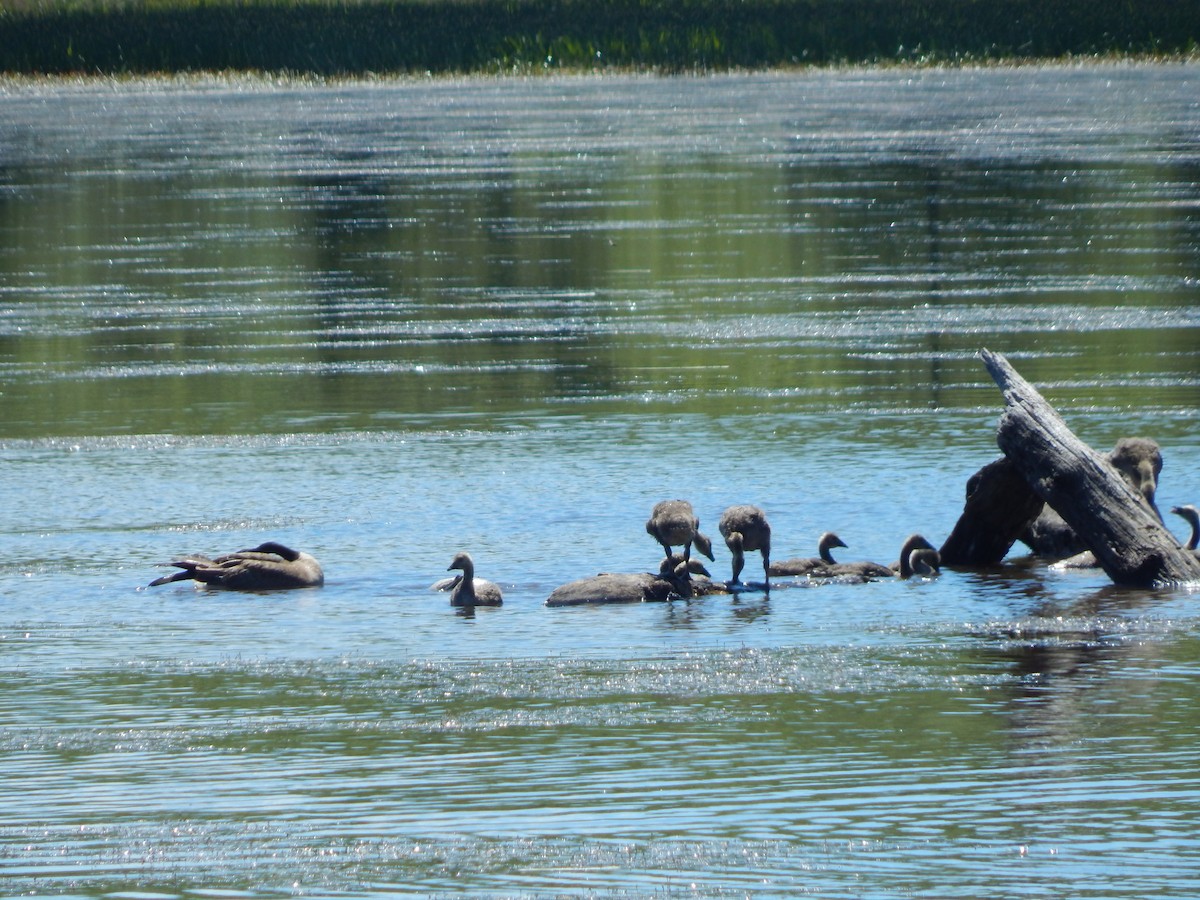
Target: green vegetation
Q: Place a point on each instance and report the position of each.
(404, 36)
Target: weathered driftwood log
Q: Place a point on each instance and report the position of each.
(1000, 506)
(1139, 461)
(1114, 520)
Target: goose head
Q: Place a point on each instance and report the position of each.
(462, 561)
(911, 543)
(827, 542)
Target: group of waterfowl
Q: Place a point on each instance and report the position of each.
(672, 523)
(675, 527)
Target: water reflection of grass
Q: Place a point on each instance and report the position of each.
(114, 36)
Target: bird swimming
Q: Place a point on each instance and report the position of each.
(466, 589)
(674, 523)
(872, 570)
(802, 565)
(269, 566)
(745, 527)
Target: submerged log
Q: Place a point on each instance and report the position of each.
(1112, 519)
(999, 507)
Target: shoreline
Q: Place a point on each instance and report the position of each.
(226, 79)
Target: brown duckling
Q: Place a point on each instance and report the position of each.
(802, 565)
(745, 528)
(674, 523)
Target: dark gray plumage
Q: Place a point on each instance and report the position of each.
(269, 566)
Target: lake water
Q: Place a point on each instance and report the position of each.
(387, 321)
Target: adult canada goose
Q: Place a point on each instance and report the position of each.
(745, 527)
(672, 580)
(269, 566)
(1192, 515)
(466, 589)
(802, 565)
(872, 570)
(674, 523)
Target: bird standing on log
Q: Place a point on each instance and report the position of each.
(674, 523)
(744, 528)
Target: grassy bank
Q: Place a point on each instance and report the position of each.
(404, 36)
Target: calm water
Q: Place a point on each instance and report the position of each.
(388, 321)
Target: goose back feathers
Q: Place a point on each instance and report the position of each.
(269, 566)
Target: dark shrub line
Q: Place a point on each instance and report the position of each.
(399, 36)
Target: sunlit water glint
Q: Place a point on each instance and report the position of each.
(385, 322)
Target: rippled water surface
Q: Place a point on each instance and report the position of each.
(388, 321)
